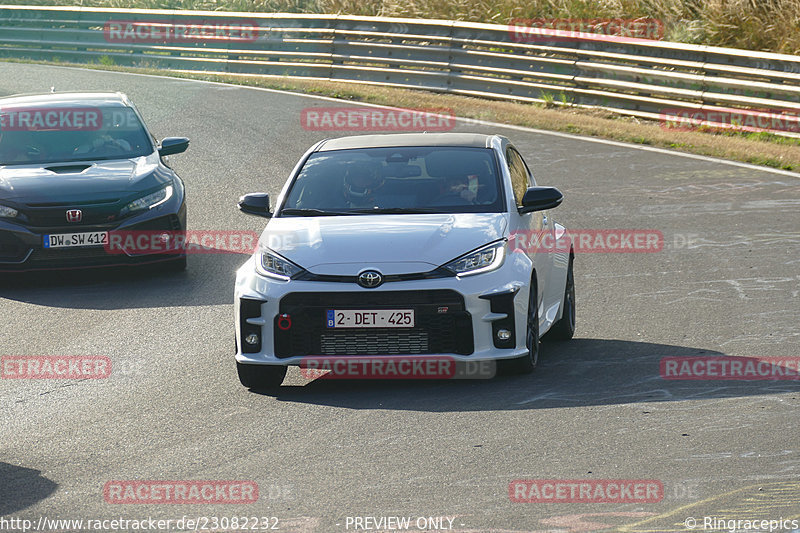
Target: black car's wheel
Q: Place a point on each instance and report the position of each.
(526, 363)
(261, 377)
(564, 329)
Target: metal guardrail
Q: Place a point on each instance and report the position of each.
(645, 78)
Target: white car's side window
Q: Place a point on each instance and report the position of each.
(519, 174)
(531, 179)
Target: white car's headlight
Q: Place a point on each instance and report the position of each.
(270, 264)
(8, 212)
(148, 202)
(484, 259)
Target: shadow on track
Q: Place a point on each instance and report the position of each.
(581, 372)
(208, 280)
(22, 487)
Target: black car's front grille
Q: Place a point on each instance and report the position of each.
(96, 213)
(56, 257)
(442, 325)
(68, 254)
(69, 205)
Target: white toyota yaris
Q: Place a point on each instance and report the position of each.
(404, 245)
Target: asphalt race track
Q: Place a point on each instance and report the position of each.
(326, 452)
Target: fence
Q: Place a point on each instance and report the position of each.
(645, 78)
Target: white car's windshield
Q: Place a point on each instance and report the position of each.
(396, 180)
(42, 135)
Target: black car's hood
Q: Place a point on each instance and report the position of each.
(77, 180)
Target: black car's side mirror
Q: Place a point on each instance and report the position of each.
(256, 203)
(540, 198)
(173, 145)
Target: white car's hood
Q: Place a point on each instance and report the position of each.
(391, 244)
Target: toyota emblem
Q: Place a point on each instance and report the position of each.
(369, 279)
(74, 215)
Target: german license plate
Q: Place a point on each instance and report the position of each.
(370, 318)
(74, 240)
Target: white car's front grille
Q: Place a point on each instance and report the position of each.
(374, 342)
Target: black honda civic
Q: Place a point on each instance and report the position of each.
(76, 168)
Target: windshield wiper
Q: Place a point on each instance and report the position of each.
(312, 212)
(396, 210)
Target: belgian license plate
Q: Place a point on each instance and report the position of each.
(370, 318)
(73, 240)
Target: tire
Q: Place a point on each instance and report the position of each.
(564, 329)
(261, 377)
(526, 363)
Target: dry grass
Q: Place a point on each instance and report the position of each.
(757, 148)
(760, 149)
(769, 25)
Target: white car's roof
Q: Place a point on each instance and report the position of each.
(475, 140)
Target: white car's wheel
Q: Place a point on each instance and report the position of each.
(564, 329)
(261, 377)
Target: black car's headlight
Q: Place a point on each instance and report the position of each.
(272, 265)
(485, 259)
(148, 202)
(8, 212)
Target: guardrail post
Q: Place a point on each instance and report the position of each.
(332, 49)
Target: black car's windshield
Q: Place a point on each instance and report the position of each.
(413, 180)
(40, 134)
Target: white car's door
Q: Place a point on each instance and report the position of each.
(553, 258)
(531, 231)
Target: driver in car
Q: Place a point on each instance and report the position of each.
(103, 143)
(455, 191)
(18, 147)
(362, 180)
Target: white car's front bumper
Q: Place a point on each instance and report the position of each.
(505, 289)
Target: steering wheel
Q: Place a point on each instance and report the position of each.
(102, 144)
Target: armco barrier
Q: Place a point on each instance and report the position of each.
(637, 77)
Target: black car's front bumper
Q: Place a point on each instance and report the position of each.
(22, 248)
